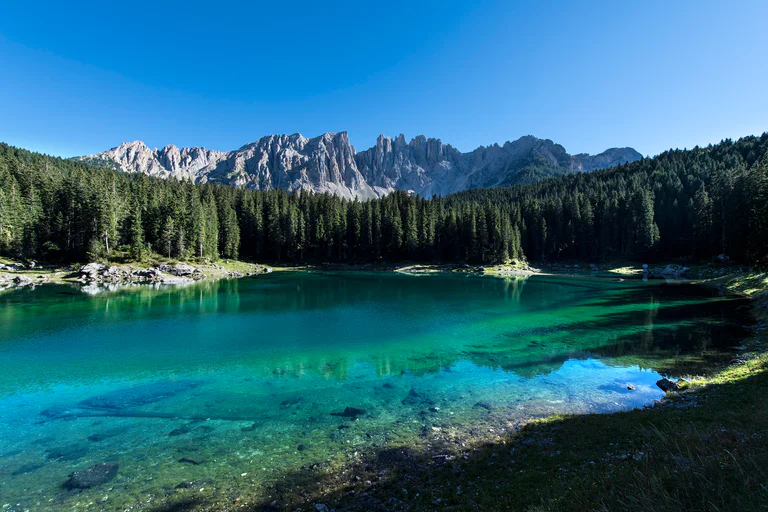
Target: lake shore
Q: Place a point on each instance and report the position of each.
(113, 275)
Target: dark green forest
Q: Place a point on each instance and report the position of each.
(695, 203)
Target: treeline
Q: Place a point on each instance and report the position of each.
(697, 203)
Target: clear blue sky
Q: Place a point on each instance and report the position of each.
(589, 75)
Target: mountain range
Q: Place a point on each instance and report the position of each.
(329, 163)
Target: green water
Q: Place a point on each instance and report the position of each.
(256, 367)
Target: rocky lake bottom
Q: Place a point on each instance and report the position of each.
(124, 399)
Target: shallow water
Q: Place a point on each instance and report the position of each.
(241, 378)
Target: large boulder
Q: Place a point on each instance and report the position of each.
(146, 273)
(178, 270)
(92, 271)
(667, 385)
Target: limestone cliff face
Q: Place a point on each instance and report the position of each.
(166, 162)
(329, 163)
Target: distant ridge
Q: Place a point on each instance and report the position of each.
(329, 163)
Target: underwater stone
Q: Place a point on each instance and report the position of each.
(349, 412)
(484, 405)
(137, 396)
(95, 475)
(179, 431)
(67, 453)
(416, 398)
(27, 468)
(190, 460)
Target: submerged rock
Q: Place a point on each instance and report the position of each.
(27, 468)
(95, 475)
(416, 398)
(667, 385)
(191, 460)
(67, 453)
(180, 431)
(101, 436)
(484, 405)
(349, 412)
(137, 396)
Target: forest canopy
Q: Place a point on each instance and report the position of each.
(695, 203)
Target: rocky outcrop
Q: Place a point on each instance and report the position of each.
(670, 271)
(329, 163)
(98, 273)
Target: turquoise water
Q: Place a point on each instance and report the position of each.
(233, 384)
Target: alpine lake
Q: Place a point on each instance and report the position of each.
(225, 388)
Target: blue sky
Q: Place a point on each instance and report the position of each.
(589, 75)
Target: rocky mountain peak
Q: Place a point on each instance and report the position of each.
(329, 163)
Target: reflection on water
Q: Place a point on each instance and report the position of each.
(234, 383)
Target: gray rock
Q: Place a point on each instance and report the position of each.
(667, 385)
(95, 475)
(92, 272)
(22, 281)
(178, 270)
(146, 273)
(92, 268)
